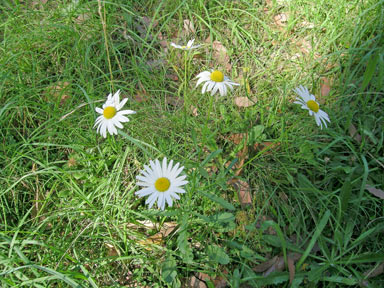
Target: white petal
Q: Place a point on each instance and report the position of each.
(169, 200)
(215, 88)
(110, 127)
(151, 199)
(201, 80)
(179, 190)
(103, 129)
(211, 84)
(174, 169)
(116, 97)
(204, 87)
(121, 104)
(318, 122)
(160, 201)
(169, 168)
(174, 195)
(144, 192)
(164, 167)
(204, 74)
(126, 112)
(190, 42)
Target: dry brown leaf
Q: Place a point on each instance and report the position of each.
(156, 239)
(283, 196)
(243, 191)
(354, 134)
(261, 220)
(174, 101)
(277, 266)
(220, 282)
(188, 27)
(194, 111)
(266, 147)
(71, 162)
(374, 191)
(304, 45)
(195, 282)
(241, 155)
(83, 18)
(146, 224)
(59, 90)
(375, 271)
(141, 95)
(281, 19)
(112, 250)
(244, 102)
(168, 228)
(325, 86)
(220, 54)
(172, 77)
(291, 269)
(237, 138)
(306, 24)
(277, 263)
(265, 265)
(39, 3)
(147, 21)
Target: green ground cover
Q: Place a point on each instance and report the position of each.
(272, 199)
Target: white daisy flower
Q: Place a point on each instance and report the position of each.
(308, 102)
(111, 117)
(189, 46)
(161, 182)
(215, 81)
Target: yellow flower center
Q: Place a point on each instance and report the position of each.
(109, 112)
(162, 184)
(183, 47)
(313, 106)
(217, 76)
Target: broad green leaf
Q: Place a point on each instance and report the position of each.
(169, 269)
(211, 156)
(217, 254)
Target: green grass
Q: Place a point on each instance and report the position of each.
(68, 213)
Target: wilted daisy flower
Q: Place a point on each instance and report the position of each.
(215, 81)
(161, 182)
(111, 117)
(308, 102)
(189, 46)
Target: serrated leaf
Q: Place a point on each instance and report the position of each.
(184, 248)
(217, 254)
(256, 133)
(169, 269)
